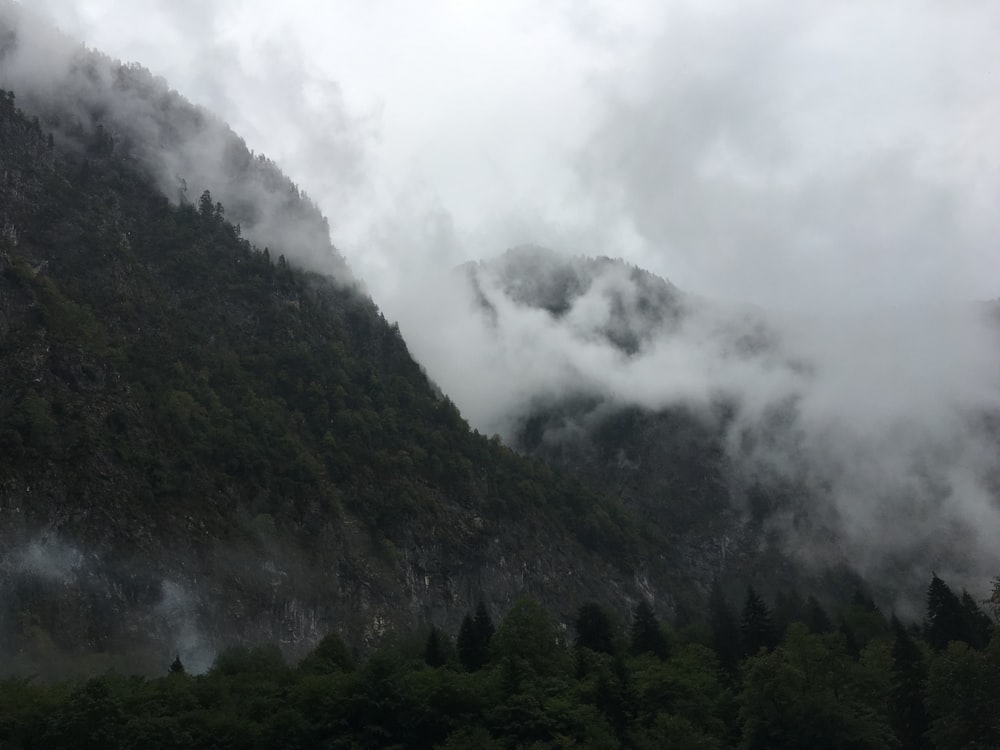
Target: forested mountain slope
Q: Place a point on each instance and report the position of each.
(203, 443)
(780, 450)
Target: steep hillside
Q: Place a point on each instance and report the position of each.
(668, 464)
(202, 443)
(784, 450)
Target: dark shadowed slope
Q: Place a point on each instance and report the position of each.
(201, 443)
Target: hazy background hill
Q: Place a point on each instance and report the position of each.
(804, 444)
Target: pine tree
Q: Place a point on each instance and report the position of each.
(977, 625)
(330, 655)
(205, 205)
(593, 629)
(945, 617)
(467, 646)
(646, 635)
(434, 655)
(865, 620)
(756, 629)
(993, 603)
(816, 618)
(474, 638)
(484, 625)
(177, 667)
(725, 630)
(788, 608)
(909, 688)
(851, 644)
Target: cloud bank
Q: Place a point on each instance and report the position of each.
(886, 424)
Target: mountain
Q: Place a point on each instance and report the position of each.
(670, 462)
(644, 307)
(206, 439)
(788, 452)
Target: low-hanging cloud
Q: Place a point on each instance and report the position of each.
(887, 422)
(189, 150)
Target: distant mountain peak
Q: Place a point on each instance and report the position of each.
(604, 296)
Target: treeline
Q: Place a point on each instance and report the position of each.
(762, 677)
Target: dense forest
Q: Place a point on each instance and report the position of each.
(753, 676)
(189, 417)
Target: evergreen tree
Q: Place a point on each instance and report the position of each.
(528, 644)
(865, 621)
(725, 630)
(977, 625)
(963, 692)
(177, 667)
(330, 655)
(593, 629)
(816, 618)
(756, 629)
(434, 653)
(851, 644)
(467, 645)
(788, 608)
(205, 205)
(484, 625)
(993, 603)
(945, 616)
(474, 638)
(909, 687)
(647, 636)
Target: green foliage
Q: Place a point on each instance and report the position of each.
(686, 687)
(594, 630)
(474, 638)
(809, 693)
(437, 648)
(646, 635)
(816, 618)
(993, 602)
(756, 628)
(978, 628)
(528, 643)
(863, 622)
(725, 629)
(963, 692)
(909, 688)
(177, 667)
(330, 655)
(946, 619)
(259, 662)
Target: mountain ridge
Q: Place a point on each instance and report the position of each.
(205, 444)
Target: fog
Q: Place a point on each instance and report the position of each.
(187, 151)
(886, 420)
(820, 178)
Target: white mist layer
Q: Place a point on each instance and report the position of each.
(882, 417)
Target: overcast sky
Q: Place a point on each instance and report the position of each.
(780, 152)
